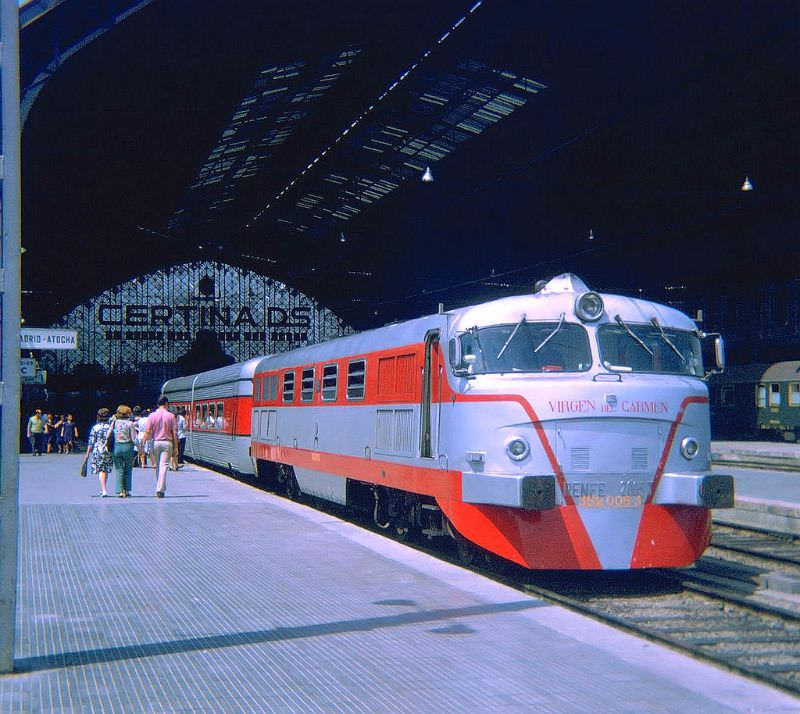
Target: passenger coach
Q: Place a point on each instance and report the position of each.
(218, 406)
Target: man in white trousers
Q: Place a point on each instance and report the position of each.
(162, 429)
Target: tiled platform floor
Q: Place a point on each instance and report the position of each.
(221, 598)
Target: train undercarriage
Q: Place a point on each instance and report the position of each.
(402, 515)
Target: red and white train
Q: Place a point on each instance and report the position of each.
(560, 430)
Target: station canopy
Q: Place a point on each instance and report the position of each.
(298, 140)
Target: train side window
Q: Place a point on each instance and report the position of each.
(204, 416)
(220, 415)
(210, 418)
(356, 378)
(288, 386)
(307, 385)
(774, 394)
(198, 420)
(794, 394)
(727, 395)
(330, 373)
(761, 396)
(258, 390)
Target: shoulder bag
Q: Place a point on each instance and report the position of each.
(110, 439)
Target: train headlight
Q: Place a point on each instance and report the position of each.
(589, 307)
(689, 447)
(517, 448)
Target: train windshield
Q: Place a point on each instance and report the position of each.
(628, 347)
(528, 347)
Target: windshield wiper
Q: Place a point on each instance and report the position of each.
(666, 339)
(510, 337)
(474, 331)
(549, 337)
(627, 329)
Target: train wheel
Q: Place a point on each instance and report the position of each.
(469, 554)
(292, 487)
(288, 483)
(790, 436)
(404, 532)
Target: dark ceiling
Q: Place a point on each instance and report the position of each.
(608, 139)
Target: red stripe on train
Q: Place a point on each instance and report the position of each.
(554, 538)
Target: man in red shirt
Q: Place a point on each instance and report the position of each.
(162, 429)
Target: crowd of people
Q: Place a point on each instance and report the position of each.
(131, 437)
(52, 433)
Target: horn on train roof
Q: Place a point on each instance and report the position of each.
(564, 283)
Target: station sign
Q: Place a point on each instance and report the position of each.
(41, 338)
(161, 317)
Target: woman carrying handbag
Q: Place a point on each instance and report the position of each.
(97, 451)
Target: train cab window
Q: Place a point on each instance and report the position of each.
(774, 395)
(654, 348)
(288, 386)
(330, 373)
(524, 347)
(761, 396)
(794, 394)
(220, 415)
(356, 378)
(307, 385)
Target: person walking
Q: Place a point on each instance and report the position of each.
(53, 433)
(142, 446)
(69, 433)
(162, 428)
(180, 429)
(36, 428)
(124, 436)
(101, 459)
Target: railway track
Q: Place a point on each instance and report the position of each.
(717, 610)
(774, 547)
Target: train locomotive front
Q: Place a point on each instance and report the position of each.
(578, 426)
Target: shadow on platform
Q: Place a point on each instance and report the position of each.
(111, 654)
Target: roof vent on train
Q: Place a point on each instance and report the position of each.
(564, 283)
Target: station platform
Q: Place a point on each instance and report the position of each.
(220, 597)
(767, 478)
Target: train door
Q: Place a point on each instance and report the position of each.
(227, 417)
(429, 407)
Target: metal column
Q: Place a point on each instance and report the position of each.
(10, 304)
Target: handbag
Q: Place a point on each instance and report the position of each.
(84, 466)
(110, 439)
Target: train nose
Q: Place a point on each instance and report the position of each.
(609, 467)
